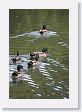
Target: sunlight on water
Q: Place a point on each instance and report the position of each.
(44, 68)
(49, 79)
(63, 44)
(36, 34)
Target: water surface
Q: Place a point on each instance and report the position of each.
(50, 78)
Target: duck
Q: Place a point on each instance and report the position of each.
(16, 58)
(36, 55)
(17, 75)
(44, 29)
(34, 59)
(32, 63)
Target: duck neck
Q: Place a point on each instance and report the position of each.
(44, 27)
(17, 52)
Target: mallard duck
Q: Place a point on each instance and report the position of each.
(34, 56)
(32, 63)
(16, 58)
(43, 29)
(37, 55)
(17, 75)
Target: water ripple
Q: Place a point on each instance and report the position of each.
(45, 68)
(36, 34)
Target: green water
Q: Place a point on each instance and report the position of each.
(22, 21)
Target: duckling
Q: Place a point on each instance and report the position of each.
(43, 29)
(17, 75)
(16, 58)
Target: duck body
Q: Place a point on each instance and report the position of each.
(36, 55)
(41, 54)
(14, 76)
(16, 58)
(33, 64)
(43, 30)
(17, 75)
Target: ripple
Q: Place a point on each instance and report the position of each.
(57, 89)
(38, 94)
(56, 62)
(60, 82)
(45, 74)
(47, 69)
(36, 34)
(49, 78)
(63, 44)
(32, 83)
(60, 43)
(30, 80)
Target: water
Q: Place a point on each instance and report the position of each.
(36, 34)
(49, 79)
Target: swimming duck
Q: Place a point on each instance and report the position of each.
(17, 75)
(16, 58)
(43, 29)
(37, 55)
(32, 63)
(34, 56)
(33, 60)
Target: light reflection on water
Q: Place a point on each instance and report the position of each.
(36, 34)
(50, 78)
(46, 69)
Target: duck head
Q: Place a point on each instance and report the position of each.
(19, 68)
(14, 73)
(14, 60)
(32, 56)
(30, 64)
(45, 50)
(14, 76)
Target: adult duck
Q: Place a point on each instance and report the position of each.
(16, 58)
(44, 29)
(17, 75)
(37, 55)
(32, 63)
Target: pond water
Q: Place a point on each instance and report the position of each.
(49, 79)
(36, 34)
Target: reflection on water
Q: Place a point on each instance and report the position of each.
(49, 79)
(37, 34)
(63, 44)
(48, 70)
